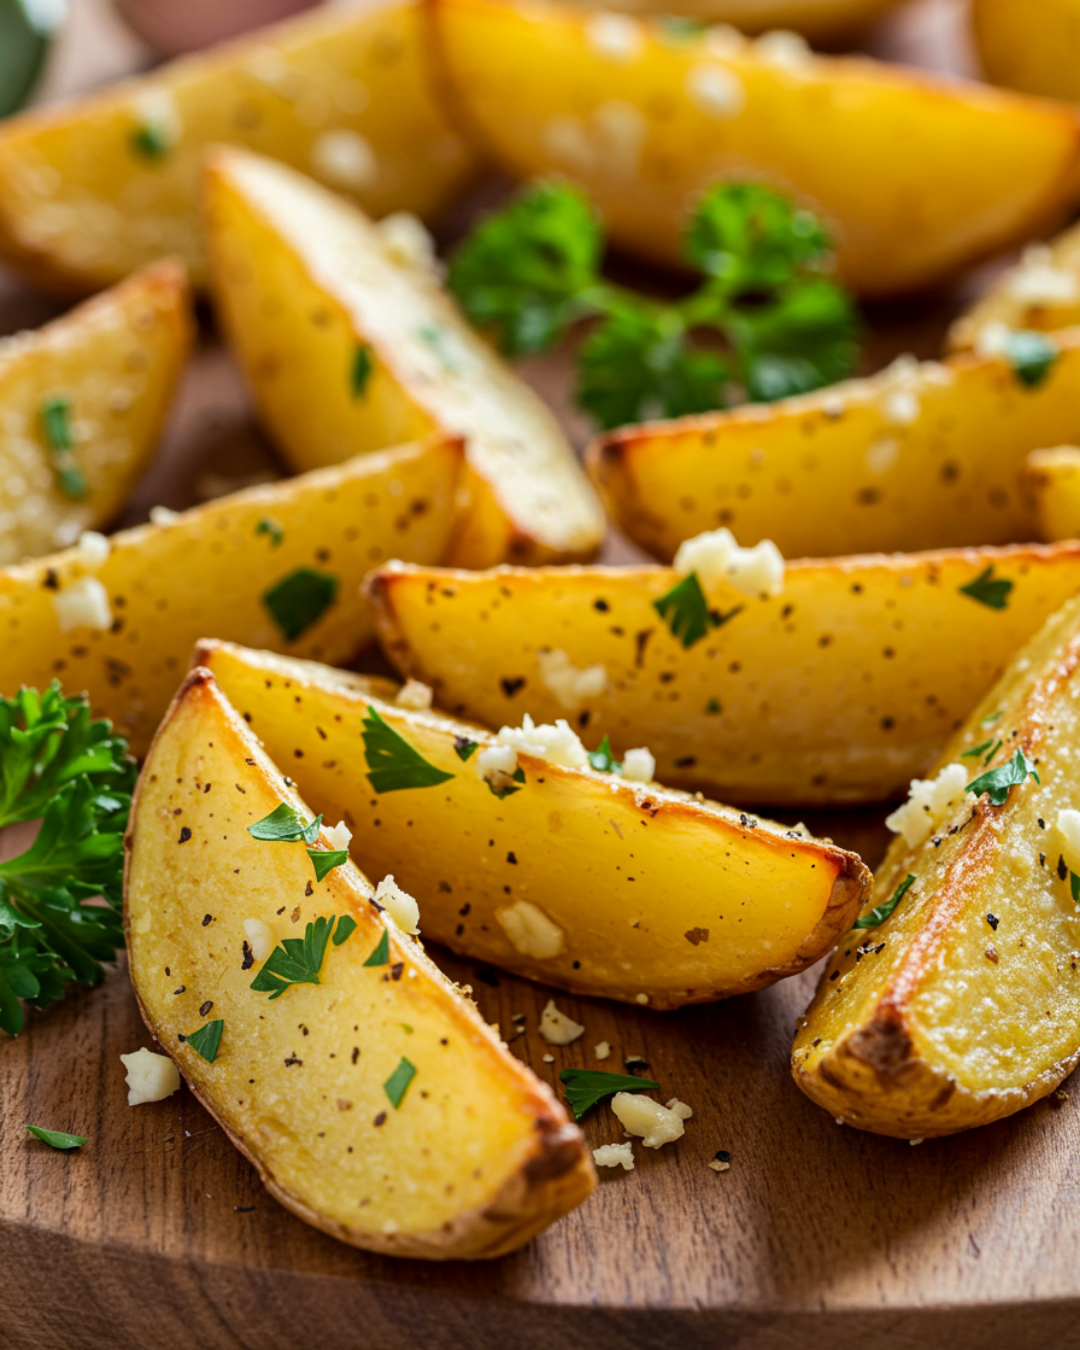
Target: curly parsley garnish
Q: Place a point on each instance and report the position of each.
(997, 782)
(988, 590)
(530, 272)
(586, 1087)
(74, 775)
(206, 1040)
(298, 601)
(393, 764)
(299, 960)
(396, 1085)
(880, 913)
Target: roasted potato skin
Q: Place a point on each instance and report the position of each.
(117, 361)
(837, 691)
(1037, 52)
(646, 123)
(963, 1006)
(748, 903)
(210, 571)
(87, 194)
(473, 1099)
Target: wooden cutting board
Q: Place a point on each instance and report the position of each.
(158, 1233)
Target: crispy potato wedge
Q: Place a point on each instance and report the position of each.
(646, 117)
(92, 190)
(1041, 292)
(964, 1004)
(580, 879)
(349, 349)
(276, 566)
(919, 456)
(822, 20)
(838, 690)
(1053, 478)
(102, 379)
(470, 1158)
(1037, 51)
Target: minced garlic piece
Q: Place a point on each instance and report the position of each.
(163, 516)
(261, 938)
(401, 907)
(782, 48)
(681, 1109)
(530, 930)
(1037, 281)
(570, 685)
(406, 241)
(558, 744)
(716, 557)
(338, 836)
(641, 1115)
(150, 1077)
(603, 1050)
(93, 549)
(614, 1155)
(496, 766)
(344, 159)
(717, 91)
(1068, 833)
(415, 695)
(616, 37)
(639, 765)
(930, 801)
(556, 1028)
(993, 339)
(83, 604)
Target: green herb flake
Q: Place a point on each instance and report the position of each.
(346, 926)
(393, 764)
(686, 611)
(977, 751)
(206, 1040)
(1074, 886)
(1032, 356)
(381, 955)
(713, 706)
(586, 1087)
(298, 601)
(71, 481)
(57, 1139)
(602, 759)
(464, 748)
(295, 960)
(151, 140)
(988, 590)
(994, 717)
(272, 529)
(361, 369)
(398, 1082)
(679, 29)
(325, 860)
(507, 789)
(285, 825)
(438, 341)
(880, 913)
(997, 782)
(56, 423)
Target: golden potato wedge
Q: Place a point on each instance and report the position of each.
(1053, 478)
(92, 190)
(919, 456)
(838, 690)
(401, 1123)
(275, 566)
(581, 879)
(822, 20)
(347, 349)
(1037, 51)
(645, 116)
(1040, 292)
(82, 403)
(964, 1004)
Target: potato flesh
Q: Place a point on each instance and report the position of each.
(645, 133)
(117, 361)
(80, 206)
(1053, 478)
(324, 287)
(821, 19)
(990, 1012)
(829, 473)
(1038, 58)
(169, 585)
(840, 689)
(745, 904)
(316, 1120)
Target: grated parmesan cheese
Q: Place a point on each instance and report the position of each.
(401, 907)
(150, 1077)
(530, 930)
(930, 801)
(558, 1029)
(261, 938)
(614, 1155)
(344, 159)
(558, 744)
(655, 1124)
(715, 557)
(338, 835)
(603, 1050)
(639, 765)
(416, 695)
(93, 549)
(570, 685)
(83, 604)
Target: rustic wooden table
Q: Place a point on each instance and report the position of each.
(158, 1234)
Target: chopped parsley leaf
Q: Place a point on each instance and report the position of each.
(686, 611)
(360, 371)
(1032, 356)
(57, 1138)
(295, 960)
(586, 1087)
(151, 140)
(71, 481)
(507, 789)
(602, 759)
(381, 955)
(464, 748)
(880, 913)
(994, 717)
(393, 764)
(436, 338)
(325, 860)
(298, 601)
(270, 527)
(346, 926)
(56, 423)
(1074, 886)
(997, 782)
(284, 825)
(396, 1085)
(988, 590)
(206, 1040)
(977, 751)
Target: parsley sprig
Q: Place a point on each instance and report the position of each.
(997, 782)
(586, 1087)
(393, 764)
(285, 825)
(685, 609)
(299, 960)
(766, 321)
(72, 773)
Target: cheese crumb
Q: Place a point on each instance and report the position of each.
(406, 241)
(1037, 281)
(930, 801)
(639, 765)
(614, 1155)
(1068, 832)
(261, 938)
(558, 1029)
(680, 1108)
(338, 835)
(416, 695)
(344, 159)
(616, 37)
(901, 407)
(163, 515)
(789, 51)
(640, 998)
(530, 930)
(496, 766)
(603, 1050)
(641, 1115)
(716, 557)
(401, 907)
(83, 604)
(716, 91)
(570, 685)
(558, 744)
(993, 339)
(150, 1077)
(93, 549)
(719, 1165)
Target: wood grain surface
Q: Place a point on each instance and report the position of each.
(157, 1233)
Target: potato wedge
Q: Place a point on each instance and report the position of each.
(580, 879)
(401, 1123)
(83, 402)
(1053, 478)
(646, 116)
(838, 690)
(919, 456)
(964, 1004)
(822, 20)
(276, 566)
(348, 349)
(1035, 51)
(92, 190)
(1041, 292)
